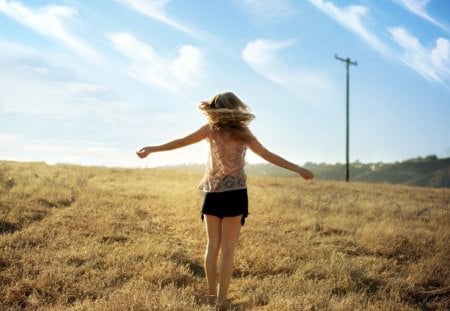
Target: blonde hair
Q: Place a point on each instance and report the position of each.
(225, 111)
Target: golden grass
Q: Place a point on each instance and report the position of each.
(87, 238)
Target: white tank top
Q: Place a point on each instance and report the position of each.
(225, 167)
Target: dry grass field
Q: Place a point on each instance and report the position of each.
(87, 238)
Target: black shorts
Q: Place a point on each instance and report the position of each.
(226, 204)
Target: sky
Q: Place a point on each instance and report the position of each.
(91, 82)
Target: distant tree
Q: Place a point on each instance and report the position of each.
(431, 158)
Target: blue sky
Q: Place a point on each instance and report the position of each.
(90, 82)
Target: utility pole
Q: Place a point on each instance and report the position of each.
(348, 62)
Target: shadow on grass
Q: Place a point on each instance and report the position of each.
(8, 227)
(196, 268)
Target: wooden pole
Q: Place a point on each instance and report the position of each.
(348, 62)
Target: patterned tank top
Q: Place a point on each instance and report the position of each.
(225, 167)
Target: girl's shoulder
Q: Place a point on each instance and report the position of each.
(205, 130)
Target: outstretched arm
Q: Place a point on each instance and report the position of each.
(273, 158)
(177, 143)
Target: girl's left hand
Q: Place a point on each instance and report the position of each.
(306, 174)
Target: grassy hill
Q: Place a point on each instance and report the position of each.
(91, 238)
(424, 172)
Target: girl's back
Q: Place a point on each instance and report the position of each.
(225, 169)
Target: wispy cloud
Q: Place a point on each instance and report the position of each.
(432, 63)
(6, 137)
(88, 152)
(66, 151)
(352, 17)
(156, 9)
(171, 74)
(272, 10)
(419, 7)
(308, 85)
(261, 55)
(33, 83)
(49, 21)
(58, 100)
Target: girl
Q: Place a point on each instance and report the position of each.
(225, 204)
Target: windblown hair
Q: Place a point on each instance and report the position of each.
(225, 111)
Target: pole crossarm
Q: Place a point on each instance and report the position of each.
(348, 62)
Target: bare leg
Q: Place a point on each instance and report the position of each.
(213, 234)
(231, 227)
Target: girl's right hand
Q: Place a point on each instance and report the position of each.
(143, 152)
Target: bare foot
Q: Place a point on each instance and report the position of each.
(222, 306)
(211, 299)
